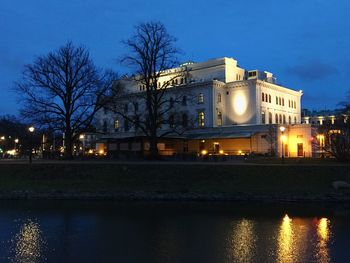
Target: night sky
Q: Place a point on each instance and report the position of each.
(305, 43)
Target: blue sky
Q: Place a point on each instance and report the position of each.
(305, 43)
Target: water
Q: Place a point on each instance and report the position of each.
(106, 231)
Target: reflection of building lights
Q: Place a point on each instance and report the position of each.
(204, 152)
(28, 247)
(240, 104)
(243, 241)
(323, 233)
(285, 240)
(323, 229)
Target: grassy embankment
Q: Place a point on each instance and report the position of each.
(173, 181)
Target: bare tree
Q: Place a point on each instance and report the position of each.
(63, 90)
(271, 138)
(152, 54)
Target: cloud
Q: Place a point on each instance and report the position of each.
(312, 70)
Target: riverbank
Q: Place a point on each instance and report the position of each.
(173, 181)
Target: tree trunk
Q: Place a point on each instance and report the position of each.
(153, 147)
(68, 144)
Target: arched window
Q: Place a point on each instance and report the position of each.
(266, 97)
(290, 120)
(280, 119)
(269, 98)
(219, 97)
(276, 118)
(295, 120)
(263, 117)
(219, 119)
(263, 97)
(270, 118)
(184, 120)
(284, 119)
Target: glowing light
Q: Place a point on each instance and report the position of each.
(283, 138)
(240, 104)
(282, 128)
(239, 152)
(101, 152)
(323, 229)
(2, 138)
(11, 152)
(16, 140)
(204, 152)
(91, 151)
(81, 136)
(221, 151)
(31, 129)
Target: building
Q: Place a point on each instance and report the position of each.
(231, 110)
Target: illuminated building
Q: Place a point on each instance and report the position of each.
(233, 111)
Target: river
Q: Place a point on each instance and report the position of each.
(109, 231)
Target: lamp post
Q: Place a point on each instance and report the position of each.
(282, 129)
(31, 131)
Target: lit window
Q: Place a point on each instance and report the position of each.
(116, 125)
(200, 98)
(201, 119)
(219, 119)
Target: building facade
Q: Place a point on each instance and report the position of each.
(226, 110)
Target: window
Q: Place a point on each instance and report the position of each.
(263, 97)
(105, 126)
(270, 118)
(269, 98)
(282, 101)
(201, 119)
(184, 100)
(263, 120)
(219, 119)
(266, 97)
(182, 81)
(295, 120)
(184, 120)
(171, 102)
(200, 98)
(219, 97)
(126, 124)
(171, 121)
(276, 118)
(252, 73)
(280, 119)
(116, 125)
(290, 120)
(176, 82)
(277, 100)
(289, 103)
(284, 119)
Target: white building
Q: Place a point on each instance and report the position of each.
(231, 108)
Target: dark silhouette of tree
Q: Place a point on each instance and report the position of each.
(152, 53)
(271, 138)
(63, 90)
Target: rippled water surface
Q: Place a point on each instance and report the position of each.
(105, 231)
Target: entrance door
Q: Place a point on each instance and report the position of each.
(300, 149)
(216, 147)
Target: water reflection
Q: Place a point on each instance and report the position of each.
(243, 239)
(28, 243)
(285, 241)
(323, 232)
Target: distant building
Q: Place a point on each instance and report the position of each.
(234, 111)
(324, 117)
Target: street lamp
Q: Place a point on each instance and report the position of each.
(31, 131)
(16, 141)
(282, 129)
